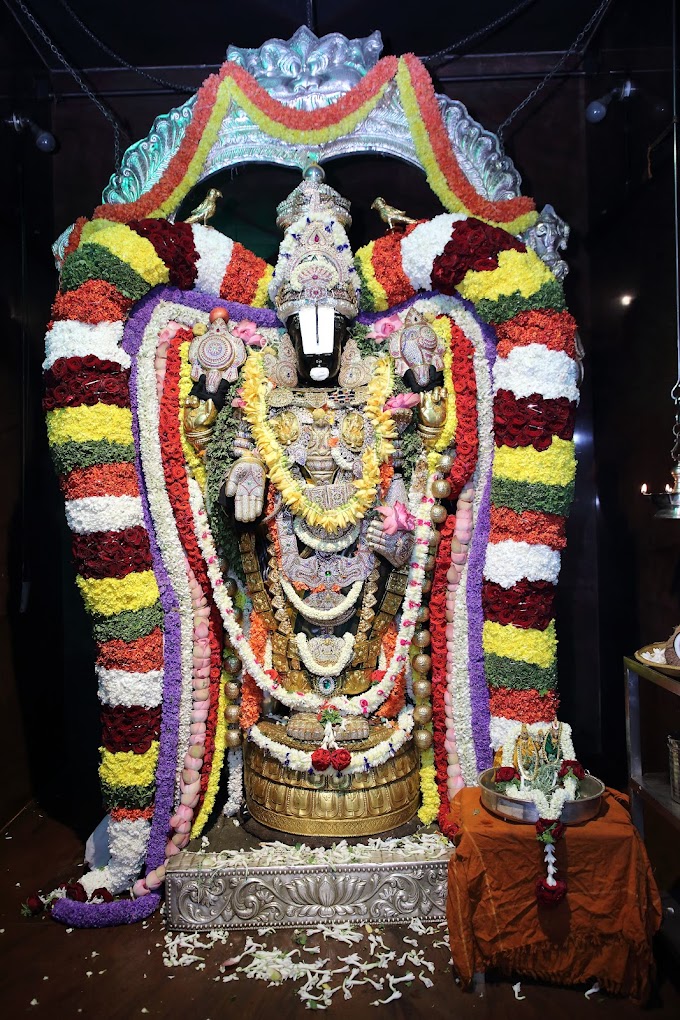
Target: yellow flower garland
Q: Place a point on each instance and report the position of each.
(521, 271)
(255, 411)
(194, 463)
(364, 257)
(429, 808)
(554, 466)
(528, 645)
(217, 762)
(125, 768)
(106, 596)
(125, 244)
(425, 153)
(442, 327)
(86, 424)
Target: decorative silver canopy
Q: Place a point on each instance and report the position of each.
(310, 72)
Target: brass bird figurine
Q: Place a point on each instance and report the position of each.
(205, 210)
(389, 215)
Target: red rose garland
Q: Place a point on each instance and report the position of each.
(467, 443)
(473, 246)
(174, 469)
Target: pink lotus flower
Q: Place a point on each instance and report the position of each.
(247, 331)
(396, 518)
(384, 327)
(402, 400)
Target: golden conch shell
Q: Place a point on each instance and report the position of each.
(286, 428)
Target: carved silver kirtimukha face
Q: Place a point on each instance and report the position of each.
(416, 346)
(218, 355)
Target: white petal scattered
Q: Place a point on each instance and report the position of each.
(516, 989)
(592, 991)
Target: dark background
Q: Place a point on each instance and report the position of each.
(620, 583)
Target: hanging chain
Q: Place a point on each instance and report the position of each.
(184, 89)
(594, 18)
(478, 34)
(104, 110)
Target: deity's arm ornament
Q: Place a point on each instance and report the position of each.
(531, 355)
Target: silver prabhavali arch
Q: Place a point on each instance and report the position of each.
(308, 72)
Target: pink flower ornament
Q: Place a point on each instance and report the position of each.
(384, 328)
(247, 331)
(169, 331)
(396, 518)
(402, 400)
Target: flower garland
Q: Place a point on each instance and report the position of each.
(321, 616)
(358, 761)
(335, 668)
(444, 174)
(267, 680)
(269, 448)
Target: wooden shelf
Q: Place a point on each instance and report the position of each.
(653, 675)
(655, 789)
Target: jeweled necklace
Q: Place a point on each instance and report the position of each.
(272, 453)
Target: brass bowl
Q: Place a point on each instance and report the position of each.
(573, 813)
(663, 667)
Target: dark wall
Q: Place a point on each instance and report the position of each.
(619, 585)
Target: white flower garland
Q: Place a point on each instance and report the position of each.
(537, 369)
(315, 667)
(321, 615)
(70, 339)
(103, 513)
(509, 561)
(361, 761)
(214, 255)
(235, 785)
(168, 539)
(421, 247)
(361, 704)
(120, 687)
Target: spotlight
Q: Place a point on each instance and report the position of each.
(44, 140)
(597, 110)
(626, 299)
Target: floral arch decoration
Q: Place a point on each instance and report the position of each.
(133, 284)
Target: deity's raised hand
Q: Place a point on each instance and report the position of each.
(245, 482)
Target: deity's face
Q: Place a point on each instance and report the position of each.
(318, 334)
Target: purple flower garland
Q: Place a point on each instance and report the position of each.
(479, 690)
(104, 915)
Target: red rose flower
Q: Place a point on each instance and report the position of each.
(102, 894)
(33, 906)
(75, 891)
(550, 895)
(321, 759)
(568, 766)
(552, 828)
(506, 775)
(340, 758)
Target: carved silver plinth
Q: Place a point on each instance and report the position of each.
(203, 893)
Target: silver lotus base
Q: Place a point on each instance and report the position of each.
(203, 892)
(573, 812)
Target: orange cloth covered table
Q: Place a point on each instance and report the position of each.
(602, 929)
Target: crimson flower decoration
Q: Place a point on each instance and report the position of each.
(548, 830)
(506, 775)
(321, 759)
(102, 894)
(340, 758)
(574, 767)
(550, 895)
(33, 906)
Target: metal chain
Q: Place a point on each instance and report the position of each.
(594, 18)
(478, 34)
(104, 110)
(309, 9)
(184, 89)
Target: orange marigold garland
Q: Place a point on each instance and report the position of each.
(397, 699)
(251, 695)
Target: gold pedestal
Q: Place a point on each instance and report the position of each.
(344, 806)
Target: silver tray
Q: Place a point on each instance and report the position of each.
(573, 812)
